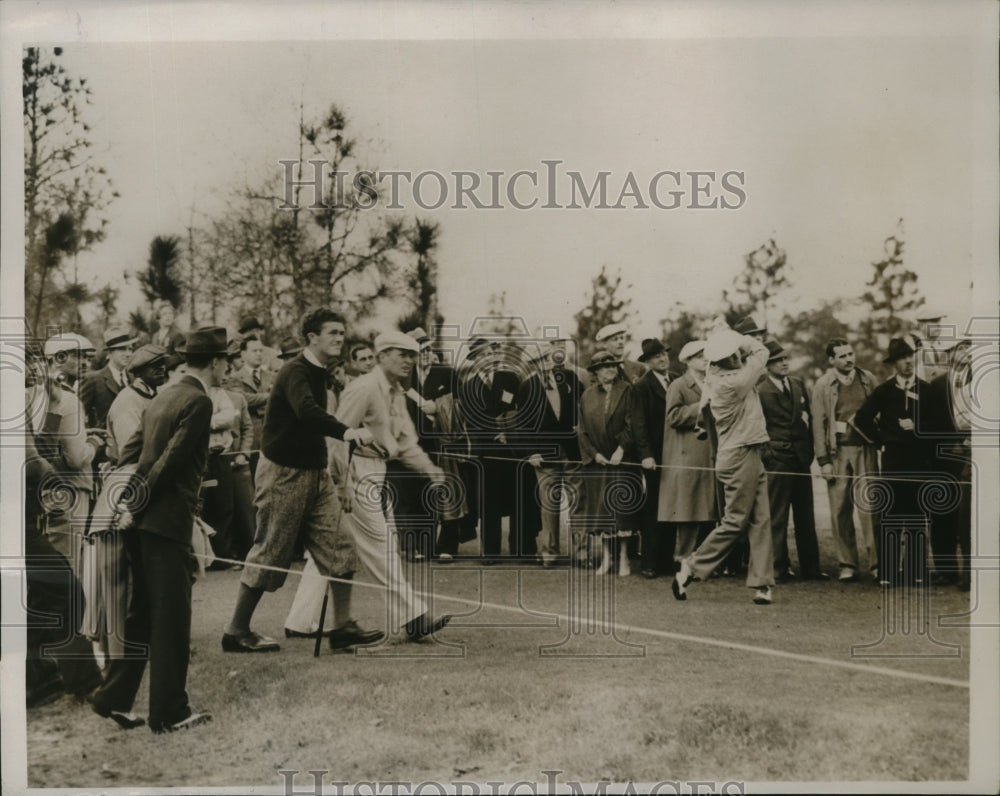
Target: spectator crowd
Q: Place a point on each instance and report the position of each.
(206, 451)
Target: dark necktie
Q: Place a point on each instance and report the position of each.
(256, 378)
(786, 388)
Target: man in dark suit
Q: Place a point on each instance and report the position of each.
(548, 405)
(787, 413)
(487, 396)
(100, 387)
(888, 418)
(649, 409)
(170, 450)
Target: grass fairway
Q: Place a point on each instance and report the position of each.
(484, 705)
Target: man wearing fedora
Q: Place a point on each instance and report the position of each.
(295, 496)
(649, 410)
(788, 457)
(547, 414)
(612, 338)
(737, 363)
(169, 449)
(99, 387)
(487, 395)
(377, 402)
(843, 454)
(889, 419)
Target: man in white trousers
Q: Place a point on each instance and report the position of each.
(377, 401)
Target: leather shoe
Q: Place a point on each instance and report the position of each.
(194, 720)
(649, 574)
(249, 642)
(681, 581)
(351, 635)
(816, 576)
(423, 626)
(127, 721)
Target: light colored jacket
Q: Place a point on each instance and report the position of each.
(735, 404)
(824, 410)
(371, 401)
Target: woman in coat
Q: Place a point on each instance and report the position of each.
(612, 492)
(687, 481)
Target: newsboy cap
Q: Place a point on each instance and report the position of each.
(148, 354)
(722, 344)
(610, 331)
(388, 340)
(69, 341)
(691, 349)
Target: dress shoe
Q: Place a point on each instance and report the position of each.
(351, 634)
(847, 575)
(445, 558)
(423, 626)
(784, 577)
(125, 720)
(681, 581)
(815, 576)
(649, 574)
(249, 642)
(762, 595)
(194, 720)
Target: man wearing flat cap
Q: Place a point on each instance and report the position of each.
(169, 449)
(649, 409)
(377, 402)
(789, 455)
(612, 338)
(99, 387)
(736, 364)
(295, 496)
(147, 369)
(888, 419)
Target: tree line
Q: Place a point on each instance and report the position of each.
(253, 258)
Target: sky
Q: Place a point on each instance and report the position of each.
(837, 138)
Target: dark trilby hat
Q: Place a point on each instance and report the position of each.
(249, 324)
(900, 347)
(233, 347)
(748, 325)
(603, 359)
(775, 351)
(478, 346)
(146, 355)
(290, 346)
(651, 348)
(207, 340)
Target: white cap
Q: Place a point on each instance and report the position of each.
(70, 341)
(722, 344)
(610, 331)
(691, 349)
(388, 340)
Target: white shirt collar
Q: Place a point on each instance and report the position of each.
(847, 380)
(905, 384)
(312, 358)
(779, 382)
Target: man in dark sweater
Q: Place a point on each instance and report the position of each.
(888, 419)
(294, 492)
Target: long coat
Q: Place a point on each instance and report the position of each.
(686, 495)
(171, 449)
(609, 491)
